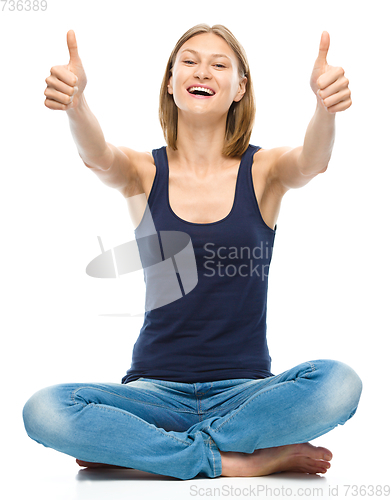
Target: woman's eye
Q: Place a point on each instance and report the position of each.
(188, 61)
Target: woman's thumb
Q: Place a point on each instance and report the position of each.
(72, 47)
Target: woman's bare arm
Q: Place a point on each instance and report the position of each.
(116, 167)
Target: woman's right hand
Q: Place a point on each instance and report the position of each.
(66, 83)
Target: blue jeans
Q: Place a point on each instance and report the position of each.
(177, 429)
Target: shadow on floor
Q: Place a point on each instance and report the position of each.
(120, 474)
(125, 474)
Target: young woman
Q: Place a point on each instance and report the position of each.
(199, 398)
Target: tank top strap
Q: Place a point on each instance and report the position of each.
(246, 202)
(146, 226)
(247, 162)
(159, 186)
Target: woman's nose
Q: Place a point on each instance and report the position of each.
(202, 71)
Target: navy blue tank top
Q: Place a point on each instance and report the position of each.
(217, 330)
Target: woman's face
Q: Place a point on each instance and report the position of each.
(206, 60)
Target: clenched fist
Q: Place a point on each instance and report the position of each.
(66, 83)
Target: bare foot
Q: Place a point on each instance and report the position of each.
(303, 457)
(96, 465)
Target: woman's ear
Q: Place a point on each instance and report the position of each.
(169, 85)
(241, 89)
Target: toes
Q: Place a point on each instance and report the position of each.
(319, 468)
(321, 452)
(314, 470)
(318, 452)
(327, 454)
(314, 466)
(323, 464)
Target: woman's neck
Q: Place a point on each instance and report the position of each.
(199, 144)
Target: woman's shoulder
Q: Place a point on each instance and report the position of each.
(263, 160)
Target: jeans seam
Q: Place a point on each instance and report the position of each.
(213, 455)
(202, 393)
(197, 401)
(312, 366)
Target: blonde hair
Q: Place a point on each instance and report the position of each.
(241, 114)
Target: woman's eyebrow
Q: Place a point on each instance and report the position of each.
(212, 55)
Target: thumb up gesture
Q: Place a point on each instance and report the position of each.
(66, 83)
(328, 82)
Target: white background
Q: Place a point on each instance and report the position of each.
(329, 290)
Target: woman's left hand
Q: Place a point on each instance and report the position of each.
(328, 82)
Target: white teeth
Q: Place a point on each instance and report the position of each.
(201, 88)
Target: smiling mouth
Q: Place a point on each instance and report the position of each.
(200, 92)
